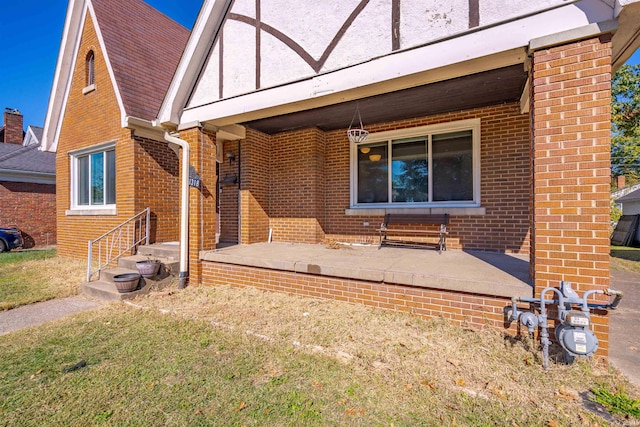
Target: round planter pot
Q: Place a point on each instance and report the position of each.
(148, 268)
(126, 282)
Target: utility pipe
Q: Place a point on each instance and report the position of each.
(184, 209)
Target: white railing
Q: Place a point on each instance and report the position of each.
(118, 241)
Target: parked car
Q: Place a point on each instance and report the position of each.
(10, 238)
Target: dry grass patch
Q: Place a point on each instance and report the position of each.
(417, 363)
(229, 356)
(34, 276)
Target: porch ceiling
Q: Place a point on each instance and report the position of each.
(473, 91)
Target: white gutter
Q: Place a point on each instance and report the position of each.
(184, 209)
(12, 175)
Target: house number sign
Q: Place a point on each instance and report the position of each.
(194, 179)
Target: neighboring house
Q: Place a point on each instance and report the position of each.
(113, 70)
(32, 136)
(12, 131)
(27, 182)
(496, 113)
(630, 203)
(627, 230)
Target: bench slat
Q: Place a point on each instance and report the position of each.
(440, 220)
(436, 219)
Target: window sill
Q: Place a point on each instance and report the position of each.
(91, 212)
(88, 89)
(420, 211)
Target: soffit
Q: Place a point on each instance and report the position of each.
(473, 91)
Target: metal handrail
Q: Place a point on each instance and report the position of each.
(113, 244)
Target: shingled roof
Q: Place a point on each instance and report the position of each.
(144, 47)
(26, 159)
(630, 197)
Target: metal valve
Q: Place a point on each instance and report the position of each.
(573, 332)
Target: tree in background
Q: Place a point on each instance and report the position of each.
(625, 123)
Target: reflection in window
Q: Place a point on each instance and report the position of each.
(96, 179)
(83, 180)
(453, 166)
(410, 171)
(431, 168)
(90, 69)
(373, 176)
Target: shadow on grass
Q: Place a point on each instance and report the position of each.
(623, 252)
(18, 256)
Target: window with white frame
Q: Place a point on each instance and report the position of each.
(90, 69)
(429, 166)
(94, 178)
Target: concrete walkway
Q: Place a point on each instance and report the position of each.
(43, 312)
(624, 338)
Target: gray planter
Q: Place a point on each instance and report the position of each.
(148, 268)
(127, 282)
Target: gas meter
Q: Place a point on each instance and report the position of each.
(573, 332)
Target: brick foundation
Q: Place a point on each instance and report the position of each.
(459, 308)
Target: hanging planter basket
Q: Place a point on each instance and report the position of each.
(357, 135)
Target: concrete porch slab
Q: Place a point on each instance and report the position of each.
(484, 273)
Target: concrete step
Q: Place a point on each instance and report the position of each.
(105, 289)
(169, 266)
(107, 274)
(160, 250)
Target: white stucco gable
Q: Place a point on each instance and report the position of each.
(254, 58)
(266, 43)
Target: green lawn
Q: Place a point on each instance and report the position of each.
(37, 275)
(240, 357)
(625, 258)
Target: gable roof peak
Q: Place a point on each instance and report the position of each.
(141, 45)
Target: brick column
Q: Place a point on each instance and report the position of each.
(571, 168)
(202, 202)
(255, 155)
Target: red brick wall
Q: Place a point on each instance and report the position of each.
(147, 171)
(90, 119)
(32, 208)
(256, 158)
(229, 195)
(310, 183)
(460, 308)
(157, 185)
(202, 201)
(296, 186)
(505, 143)
(571, 115)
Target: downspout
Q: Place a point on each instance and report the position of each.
(184, 209)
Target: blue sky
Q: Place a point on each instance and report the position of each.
(29, 42)
(30, 36)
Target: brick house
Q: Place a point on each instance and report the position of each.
(496, 113)
(27, 182)
(115, 64)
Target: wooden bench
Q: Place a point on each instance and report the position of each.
(390, 220)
